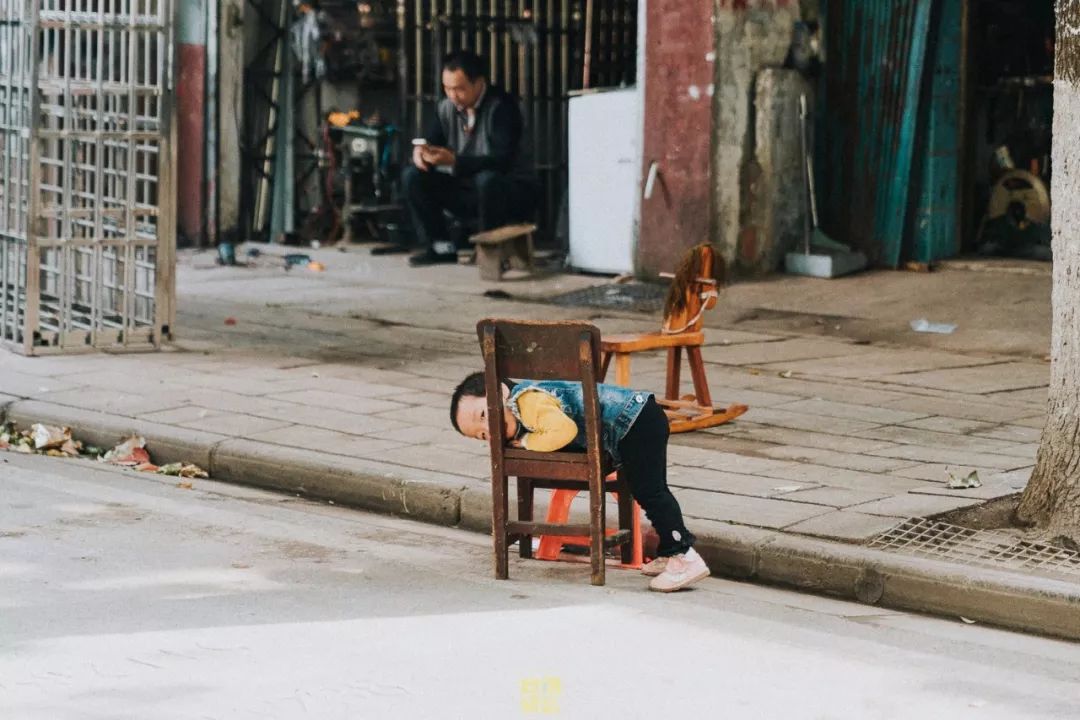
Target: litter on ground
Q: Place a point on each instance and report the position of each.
(54, 441)
(969, 481)
(922, 325)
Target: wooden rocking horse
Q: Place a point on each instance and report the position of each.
(695, 288)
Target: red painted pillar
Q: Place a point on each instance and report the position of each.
(678, 64)
(191, 119)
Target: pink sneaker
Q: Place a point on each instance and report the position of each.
(654, 567)
(680, 571)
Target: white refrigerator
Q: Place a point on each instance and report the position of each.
(605, 180)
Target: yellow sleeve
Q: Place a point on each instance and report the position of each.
(549, 428)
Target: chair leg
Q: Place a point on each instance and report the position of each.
(674, 367)
(499, 510)
(622, 369)
(605, 362)
(597, 529)
(701, 383)
(525, 513)
(626, 522)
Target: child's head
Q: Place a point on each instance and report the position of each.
(468, 409)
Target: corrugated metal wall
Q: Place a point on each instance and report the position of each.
(887, 144)
(936, 229)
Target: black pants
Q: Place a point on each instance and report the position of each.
(644, 466)
(491, 198)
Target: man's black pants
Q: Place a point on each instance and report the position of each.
(644, 467)
(493, 199)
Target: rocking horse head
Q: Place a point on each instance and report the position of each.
(695, 288)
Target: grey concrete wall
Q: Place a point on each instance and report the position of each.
(774, 190)
(750, 37)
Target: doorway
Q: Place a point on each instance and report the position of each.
(1010, 115)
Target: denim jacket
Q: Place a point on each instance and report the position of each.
(619, 408)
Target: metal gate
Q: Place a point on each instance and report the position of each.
(87, 208)
(539, 50)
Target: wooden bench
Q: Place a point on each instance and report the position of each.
(502, 248)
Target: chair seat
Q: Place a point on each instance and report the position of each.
(649, 341)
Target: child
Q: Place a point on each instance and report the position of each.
(549, 415)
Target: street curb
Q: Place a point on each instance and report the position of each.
(366, 484)
(872, 577)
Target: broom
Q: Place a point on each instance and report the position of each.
(815, 236)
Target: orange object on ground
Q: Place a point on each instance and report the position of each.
(559, 512)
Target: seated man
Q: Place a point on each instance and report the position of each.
(472, 164)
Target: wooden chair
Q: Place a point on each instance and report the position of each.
(549, 351)
(694, 290)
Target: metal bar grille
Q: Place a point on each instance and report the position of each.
(942, 541)
(86, 226)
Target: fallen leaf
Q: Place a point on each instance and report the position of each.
(230, 321)
(183, 470)
(185, 486)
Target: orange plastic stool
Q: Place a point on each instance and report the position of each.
(559, 512)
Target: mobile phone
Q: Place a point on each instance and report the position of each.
(419, 142)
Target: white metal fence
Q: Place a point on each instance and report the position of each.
(87, 197)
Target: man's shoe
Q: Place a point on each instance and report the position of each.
(432, 258)
(654, 567)
(681, 570)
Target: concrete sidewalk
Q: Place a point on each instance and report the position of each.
(337, 385)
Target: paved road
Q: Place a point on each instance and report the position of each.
(126, 596)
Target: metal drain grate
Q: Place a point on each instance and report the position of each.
(942, 541)
(635, 297)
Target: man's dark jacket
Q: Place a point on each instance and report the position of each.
(496, 141)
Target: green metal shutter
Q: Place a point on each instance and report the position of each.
(889, 145)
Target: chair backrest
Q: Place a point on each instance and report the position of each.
(693, 290)
(527, 350)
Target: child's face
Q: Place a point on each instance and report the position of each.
(473, 421)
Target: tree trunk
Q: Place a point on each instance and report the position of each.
(1051, 501)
